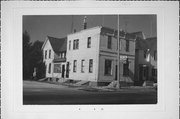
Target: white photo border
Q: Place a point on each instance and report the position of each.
(167, 35)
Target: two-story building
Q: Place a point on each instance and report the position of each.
(54, 56)
(146, 60)
(92, 55)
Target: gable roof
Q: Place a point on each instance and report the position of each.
(58, 44)
(144, 44)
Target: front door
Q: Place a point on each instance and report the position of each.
(63, 70)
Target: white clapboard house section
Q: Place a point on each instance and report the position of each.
(92, 55)
(54, 57)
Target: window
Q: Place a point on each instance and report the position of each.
(69, 45)
(49, 53)
(108, 67)
(75, 66)
(62, 55)
(155, 55)
(90, 65)
(82, 65)
(46, 54)
(109, 45)
(57, 68)
(49, 71)
(126, 68)
(89, 42)
(127, 45)
(76, 44)
(154, 72)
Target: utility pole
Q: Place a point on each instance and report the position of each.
(118, 56)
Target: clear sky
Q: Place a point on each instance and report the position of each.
(59, 26)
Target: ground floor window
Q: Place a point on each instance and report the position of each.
(108, 67)
(90, 65)
(75, 66)
(49, 71)
(57, 68)
(82, 65)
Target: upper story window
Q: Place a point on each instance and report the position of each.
(62, 55)
(45, 54)
(82, 65)
(90, 65)
(127, 45)
(89, 42)
(76, 44)
(69, 45)
(75, 66)
(49, 53)
(155, 55)
(108, 67)
(109, 43)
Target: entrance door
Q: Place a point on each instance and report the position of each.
(63, 70)
(67, 70)
(143, 73)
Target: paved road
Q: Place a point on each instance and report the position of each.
(46, 94)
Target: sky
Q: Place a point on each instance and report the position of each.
(41, 26)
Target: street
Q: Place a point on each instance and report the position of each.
(52, 94)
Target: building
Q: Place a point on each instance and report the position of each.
(54, 56)
(146, 61)
(92, 55)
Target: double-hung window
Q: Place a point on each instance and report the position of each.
(89, 42)
(75, 66)
(82, 65)
(109, 43)
(76, 44)
(90, 65)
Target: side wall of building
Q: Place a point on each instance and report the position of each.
(83, 53)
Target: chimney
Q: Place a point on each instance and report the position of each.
(84, 23)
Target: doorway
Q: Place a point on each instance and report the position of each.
(63, 70)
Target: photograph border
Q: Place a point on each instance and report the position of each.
(12, 13)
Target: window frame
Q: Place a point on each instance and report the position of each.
(89, 42)
(69, 45)
(90, 65)
(75, 66)
(49, 54)
(45, 54)
(82, 65)
(106, 73)
(109, 42)
(127, 45)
